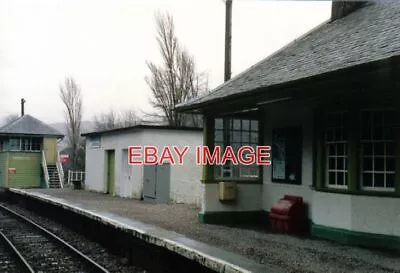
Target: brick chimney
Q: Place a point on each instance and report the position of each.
(22, 107)
(341, 9)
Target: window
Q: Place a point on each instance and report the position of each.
(24, 144)
(373, 142)
(378, 149)
(14, 144)
(336, 149)
(236, 133)
(36, 143)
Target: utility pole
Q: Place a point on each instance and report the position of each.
(22, 106)
(228, 39)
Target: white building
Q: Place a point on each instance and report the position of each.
(329, 107)
(108, 169)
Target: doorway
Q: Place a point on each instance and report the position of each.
(110, 171)
(156, 183)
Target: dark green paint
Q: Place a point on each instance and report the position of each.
(319, 162)
(353, 150)
(353, 106)
(397, 186)
(355, 238)
(110, 171)
(208, 141)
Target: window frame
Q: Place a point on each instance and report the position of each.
(354, 161)
(25, 144)
(373, 141)
(345, 156)
(229, 128)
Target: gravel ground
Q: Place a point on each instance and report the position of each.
(112, 263)
(301, 255)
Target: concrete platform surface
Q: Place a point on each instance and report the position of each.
(228, 249)
(210, 256)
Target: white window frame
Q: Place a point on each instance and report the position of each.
(373, 156)
(336, 156)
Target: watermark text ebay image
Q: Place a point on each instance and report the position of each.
(174, 155)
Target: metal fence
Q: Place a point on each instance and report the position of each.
(76, 176)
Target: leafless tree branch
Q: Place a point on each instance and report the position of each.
(176, 79)
(71, 97)
(113, 120)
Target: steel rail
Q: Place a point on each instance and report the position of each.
(15, 251)
(98, 267)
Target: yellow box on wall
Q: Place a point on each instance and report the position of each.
(227, 191)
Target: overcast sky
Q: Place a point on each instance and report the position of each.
(104, 45)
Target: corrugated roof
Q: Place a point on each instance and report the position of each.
(28, 125)
(368, 34)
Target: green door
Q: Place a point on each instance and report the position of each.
(110, 171)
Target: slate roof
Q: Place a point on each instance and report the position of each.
(28, 125)
(368, 34)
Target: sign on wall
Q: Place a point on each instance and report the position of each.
(12, 171)
(286, 155)
(64, 158)
(94, 142)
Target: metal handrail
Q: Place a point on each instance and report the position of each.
(60, 170)
(46, 172)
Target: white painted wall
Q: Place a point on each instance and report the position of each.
(185, 179)
(95, 162)
(248, 199)
(281, 116)
(332, 210)
(380, 215)
(185, 186)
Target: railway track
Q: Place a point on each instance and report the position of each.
(28, 247)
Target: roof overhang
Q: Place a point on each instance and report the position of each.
(305, 88)
(138, 127)
(29, 135)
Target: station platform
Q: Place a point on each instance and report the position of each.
(175, 227)
(209, 256)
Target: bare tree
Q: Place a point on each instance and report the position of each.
(71, 96)
(128, 118)
(105, 121)
(176, 79)
(9, 118)
(114, 119)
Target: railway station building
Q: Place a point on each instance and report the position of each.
(329, 105)
(108, 169)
